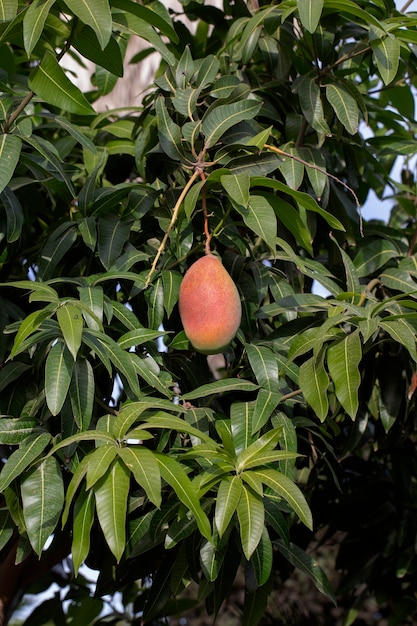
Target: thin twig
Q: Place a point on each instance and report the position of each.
(175, 212)
(405, 7)
(17, 111)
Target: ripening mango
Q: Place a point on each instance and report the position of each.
(209, 305)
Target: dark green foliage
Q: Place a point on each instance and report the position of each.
(260, 139)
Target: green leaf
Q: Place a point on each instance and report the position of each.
(317, 171)
(287, 489)
(8, 10)
(10, 147)
(169, 132)
(134, 25)
(171, 281)
(402, 333)
(111, 495)
(220, 386)
(33, 23)
(112, 236)
(261, 450)
(307, 564)
(99, 462)
(264, 365)
(51, 84)
(251, 516)
(14, 431)
(133, 410)
(227, 498)
(344, 105)
(241, 425)
(95, 13)
(161, 419)
(19, 460)
(47, 150)
(260, 218)
(144, 467)
(110, 58)
(303, 199)
(311, 104)
(138, 337)
(219, 119)
(343, 358)
(373, 256)
(14, 214)
(266, 403)
(81, 529)
(314, 382)
(93, 300)
(310, 13)
(291, 169)
(147, 368)
(81, 393)
(174, 474)
(149, 14)
(71, 324)
(386, 54)
(211, 560)
(262, 559)
(28, 326)
(42, 499)
(398, 279)
(237, 188)
(58, 372)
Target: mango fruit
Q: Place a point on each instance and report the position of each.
(209, 305)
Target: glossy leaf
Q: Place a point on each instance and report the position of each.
(266, 403)
(81, 393)
(262, 559)
(288, 490)
(220, 386)
(260, 218)
(144, 467)
(310, 13)
(82, 524)
(251, 516)
(264, 366)
(311, 104)
(307, 564)
(344, 105)
(10, 146)
(386, 53)
(71, 324)
(314, 382)
(99, 462)
(112, 236)
(228, 496)
(225, 116)
(343, 358)
(95, 13)
(58, 371)
(22, 458)
(111, 495)
(33, 23)
(14, 214)
(173, 473)
(42, 498)
(50, 83)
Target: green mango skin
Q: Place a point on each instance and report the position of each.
(209, 305)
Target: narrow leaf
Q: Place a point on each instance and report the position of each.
(42, 499)
(82, 524)
(219, 119)
(111, 503)
(58, 372)
(310, 13)
(51, 84)
(228, 496)
(10, 147)
(343, 358)
(33, 23)
(314, 382)
(20, 459)
(251, 515)
(14, 214)
(144, 467)
(71, 324)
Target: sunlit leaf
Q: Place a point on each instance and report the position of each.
(95, 13)
(34, 21)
